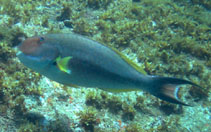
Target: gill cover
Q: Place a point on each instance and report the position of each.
(39, 48)
(31, 45)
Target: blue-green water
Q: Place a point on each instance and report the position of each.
(164, 37)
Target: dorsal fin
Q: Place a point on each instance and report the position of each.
(130, 62)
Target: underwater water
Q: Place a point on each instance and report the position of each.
(164, 37)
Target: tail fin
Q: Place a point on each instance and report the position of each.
(166, 88)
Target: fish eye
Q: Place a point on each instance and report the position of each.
(54, 63)
(42, 39)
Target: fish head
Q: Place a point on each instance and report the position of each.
(38, 53)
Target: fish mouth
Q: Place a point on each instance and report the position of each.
(17, 50)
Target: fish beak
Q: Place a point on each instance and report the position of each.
(18, 53)
(17, 50)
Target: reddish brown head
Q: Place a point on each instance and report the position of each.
(30, 45)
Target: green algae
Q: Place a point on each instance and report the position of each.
(103, 100)
(88, 118)
(134, 127)
(205, 3)
(28, 127)
(15, 79)
(129, 112)
(96, 4)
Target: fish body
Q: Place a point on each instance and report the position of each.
(73, 59)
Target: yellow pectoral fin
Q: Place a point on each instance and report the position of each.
(62, 64)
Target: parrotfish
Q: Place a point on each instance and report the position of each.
(75, 60)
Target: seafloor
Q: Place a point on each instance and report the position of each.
(165, 37)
